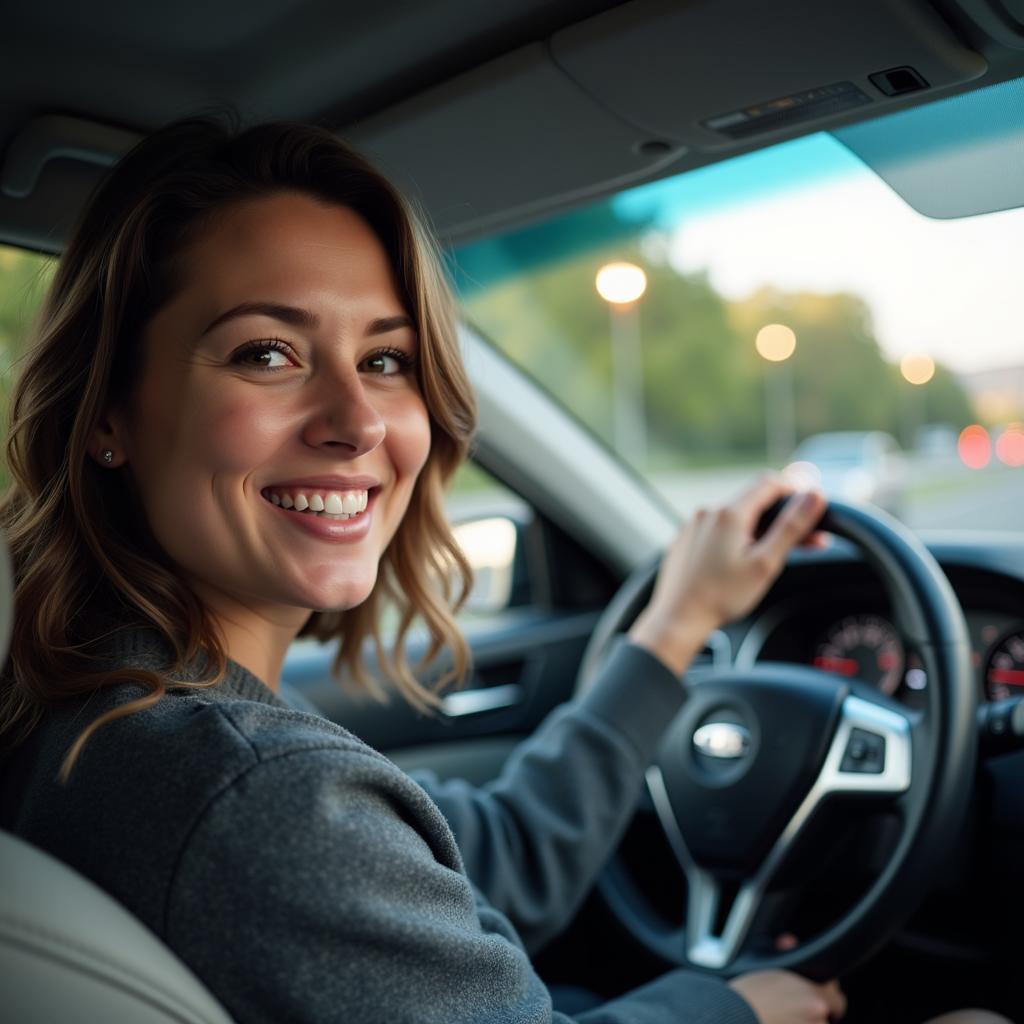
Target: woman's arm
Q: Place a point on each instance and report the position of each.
(534, 840)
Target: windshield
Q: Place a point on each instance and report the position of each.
(785, 308)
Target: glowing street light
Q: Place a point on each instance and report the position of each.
(775, 343)
(622, 285)
(974, 446)
(1010, 445)
(917, 368)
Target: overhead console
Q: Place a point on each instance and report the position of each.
(686, 73)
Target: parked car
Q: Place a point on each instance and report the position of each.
(855, 466)
(544, 138)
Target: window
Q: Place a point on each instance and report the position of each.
(24, 277)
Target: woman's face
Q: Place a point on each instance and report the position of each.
(277, 429)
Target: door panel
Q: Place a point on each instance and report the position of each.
(524, 664)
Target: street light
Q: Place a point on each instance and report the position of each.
(775, 343)
(917, 369)
(622, 285)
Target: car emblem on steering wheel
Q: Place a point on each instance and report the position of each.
(722, 739)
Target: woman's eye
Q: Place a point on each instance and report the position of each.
(388, 363)
(263, 355)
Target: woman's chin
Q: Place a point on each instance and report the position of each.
(336, 597)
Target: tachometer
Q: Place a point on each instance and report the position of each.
(1004, 673)
(863, 647)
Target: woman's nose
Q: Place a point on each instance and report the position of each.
(344, 417)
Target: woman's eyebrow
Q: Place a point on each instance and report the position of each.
(291, 315)
(388, 323)
(296, 317)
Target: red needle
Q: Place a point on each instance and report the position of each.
(844, 666)
(1009, 676)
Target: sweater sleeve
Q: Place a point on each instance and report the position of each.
(323, 885)
(534, 840)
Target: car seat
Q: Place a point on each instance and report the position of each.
(68, 951)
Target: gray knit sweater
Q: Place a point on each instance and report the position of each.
(305, 878)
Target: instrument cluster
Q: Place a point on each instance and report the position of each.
(864, 644)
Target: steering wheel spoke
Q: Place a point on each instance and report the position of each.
(707, 944)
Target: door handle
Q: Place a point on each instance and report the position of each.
(474, 702)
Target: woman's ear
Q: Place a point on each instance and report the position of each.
(107, 443)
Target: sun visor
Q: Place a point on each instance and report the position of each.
(957, 157)
(509, 140)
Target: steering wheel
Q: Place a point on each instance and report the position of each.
(754, 754)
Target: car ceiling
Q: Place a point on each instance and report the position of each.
(139, 65)
(489, 113)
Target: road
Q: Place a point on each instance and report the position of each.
(985, 500)
(939, 494)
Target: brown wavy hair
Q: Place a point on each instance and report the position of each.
(85, 563)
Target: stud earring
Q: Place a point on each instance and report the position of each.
(108, 456)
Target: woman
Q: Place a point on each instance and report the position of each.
(235, 428)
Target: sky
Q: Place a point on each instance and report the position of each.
(810, 216)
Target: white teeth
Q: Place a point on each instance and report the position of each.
(331, 504)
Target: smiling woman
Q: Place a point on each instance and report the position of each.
(235, 426)
(145, 438)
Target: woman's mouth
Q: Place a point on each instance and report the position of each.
(337, 505)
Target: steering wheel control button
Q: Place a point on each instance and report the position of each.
(865, 753)
(724, 740)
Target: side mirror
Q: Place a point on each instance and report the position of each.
(491, 544)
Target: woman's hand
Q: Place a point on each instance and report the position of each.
(781, 997)
(715, 570)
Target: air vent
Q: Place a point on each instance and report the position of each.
(898, 81)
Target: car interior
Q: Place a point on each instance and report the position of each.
(512, 125)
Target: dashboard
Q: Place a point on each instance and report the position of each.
(833, 614)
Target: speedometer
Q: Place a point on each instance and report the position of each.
(863, 647)
(1004, 673)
